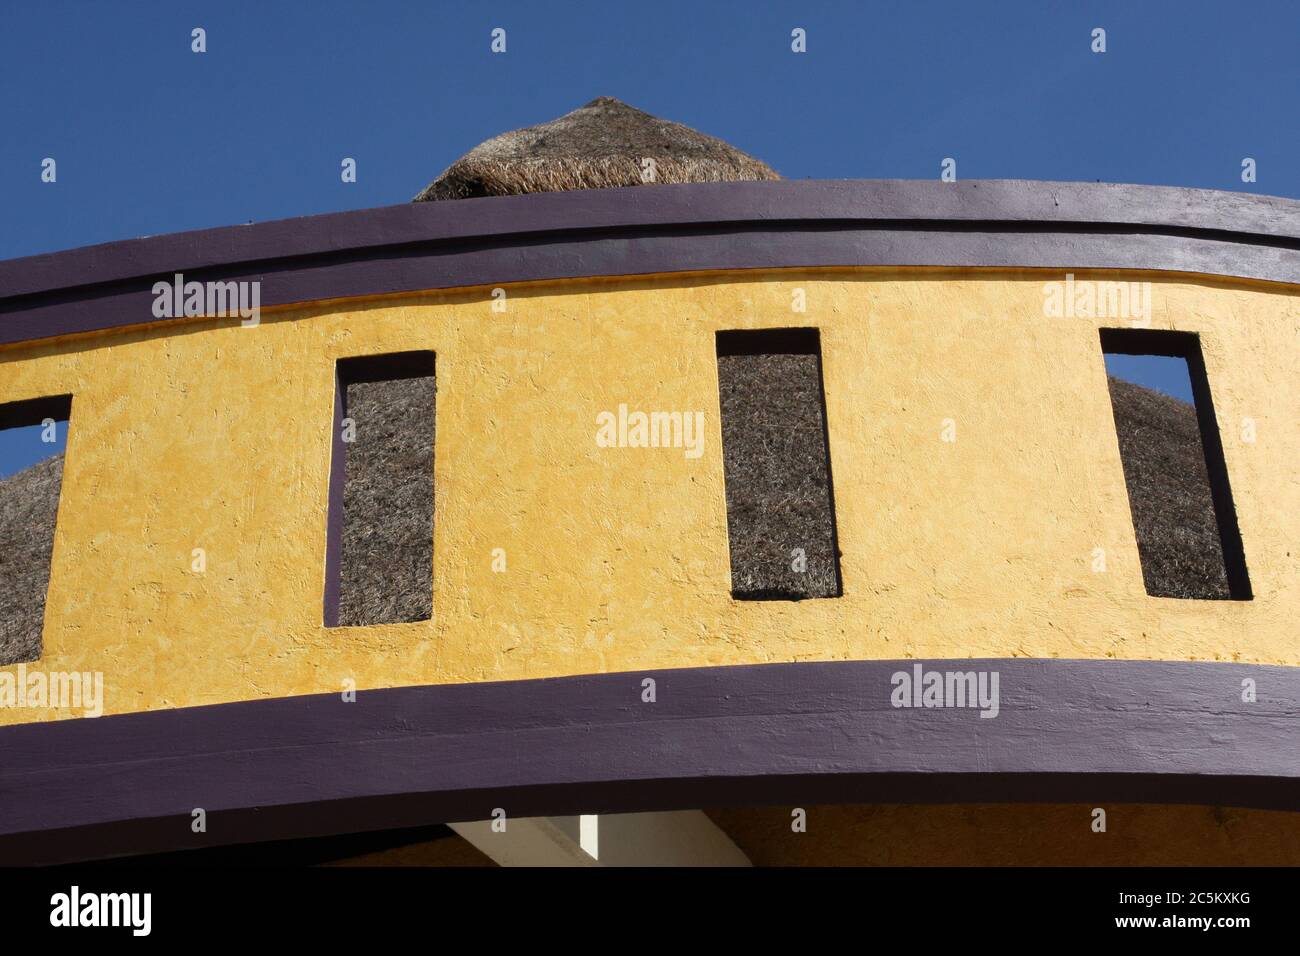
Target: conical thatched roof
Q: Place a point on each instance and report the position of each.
(600, 145)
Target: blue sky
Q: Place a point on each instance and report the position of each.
(152, 138)
(20, 447)
(1162, 372)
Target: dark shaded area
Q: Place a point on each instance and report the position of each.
(29, 504)
(33, 411)
(779, 494)
(387, 541)
(309, 851)
(1169, 493)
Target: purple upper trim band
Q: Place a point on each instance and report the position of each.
(802, 734)
(677, 228)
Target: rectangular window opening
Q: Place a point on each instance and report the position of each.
(379, 542)
(33, 439)
(1174, 469)
(776, 462)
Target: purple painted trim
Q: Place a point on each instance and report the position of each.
(657, 229)
(1068, 731)
(1008, 201)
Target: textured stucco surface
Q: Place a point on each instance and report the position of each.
(216, 436)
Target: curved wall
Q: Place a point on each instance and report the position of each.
(929, 300)
(219, 438)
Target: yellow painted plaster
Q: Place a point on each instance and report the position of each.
(215, 436)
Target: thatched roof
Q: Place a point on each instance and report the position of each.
(29, 501)
(778, 496)
(387, 558)
(1169, 493)
(597, 146)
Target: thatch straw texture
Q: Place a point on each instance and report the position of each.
(387, 555)
(600, 145)
(778, 493)
(1169, 493)
(29, 501)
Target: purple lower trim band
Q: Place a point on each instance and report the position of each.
(1066, 731)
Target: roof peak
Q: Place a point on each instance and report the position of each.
(603, 143)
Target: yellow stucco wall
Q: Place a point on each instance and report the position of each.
(215, 436)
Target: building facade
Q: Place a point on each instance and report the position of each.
(585, 653)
